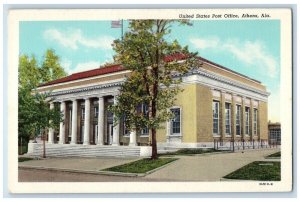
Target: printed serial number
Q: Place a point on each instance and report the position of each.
(266, 183)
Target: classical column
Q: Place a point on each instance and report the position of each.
(116, 130)
(62, 124)
(74, 122)
(86, 138)
(100, 121)
(132, 141)
(51, 130)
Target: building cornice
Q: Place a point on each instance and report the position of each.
(262, 95)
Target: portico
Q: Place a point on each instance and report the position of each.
(87, 121)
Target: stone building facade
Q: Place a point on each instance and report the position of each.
(216, 104)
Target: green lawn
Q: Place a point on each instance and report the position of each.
(21, 159)
(257, 170)
(277, 154)
(141, 166)
(190, 152)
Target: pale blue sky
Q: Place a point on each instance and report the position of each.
(250, 47)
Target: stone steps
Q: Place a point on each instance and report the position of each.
(85, 151)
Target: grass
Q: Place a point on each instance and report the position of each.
(21, 159)
(141, 166)
(257, 170)
(190, 152)
(277, 154)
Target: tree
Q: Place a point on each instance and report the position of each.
(34, 112)
(145, 50)
(51, 69)
(28, 79)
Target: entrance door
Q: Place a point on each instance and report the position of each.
(110, 133)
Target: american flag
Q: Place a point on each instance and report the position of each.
(116, 24)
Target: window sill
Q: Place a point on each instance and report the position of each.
(144, 135)
(216, 135)
(175, 135)
(228, 135)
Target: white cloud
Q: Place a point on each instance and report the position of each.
(85, 66)
(199, 43)
(73, 38)
(253, 53)
(66, 64)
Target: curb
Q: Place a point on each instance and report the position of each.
(136, 174)
(101, 172)
(60, 169)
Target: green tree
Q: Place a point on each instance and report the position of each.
(144, 50)
(34, 113)
(29, 74)
(51, 68)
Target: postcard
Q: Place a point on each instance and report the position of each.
(150, 100)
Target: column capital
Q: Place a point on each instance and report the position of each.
(87, 98)
(101, 97)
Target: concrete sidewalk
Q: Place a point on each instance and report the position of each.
(76, 163)
(210, 167)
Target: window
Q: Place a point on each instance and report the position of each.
(175, 121)
(82, 113)
(145, 131)
(216, 106)
(96, 112)
(70, 123)
(228, 118)
(255, 121)
(125, 131)
(247, 109)
(238, 119)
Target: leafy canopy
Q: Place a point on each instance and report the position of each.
(144, 50)
(34, 112)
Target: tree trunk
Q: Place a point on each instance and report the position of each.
(154, 144)
(44, 146)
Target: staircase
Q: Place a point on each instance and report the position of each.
(64, 150)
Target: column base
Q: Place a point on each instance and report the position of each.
(73, 143)
(50, 142)
(86, 143)
(132, 144)
(99, 144)
(115, 144)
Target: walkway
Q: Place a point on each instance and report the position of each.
(210, 167)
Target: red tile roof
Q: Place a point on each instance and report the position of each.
(117, 68)
(87, 74)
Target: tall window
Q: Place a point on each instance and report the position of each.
(70, 123)
(126, 132)
(216, 106)
(247, 110)
(96, 112)
(238, 119)
(228, 118)
(82, 113)
(175, 121)
(255, 121)
(145, 130)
